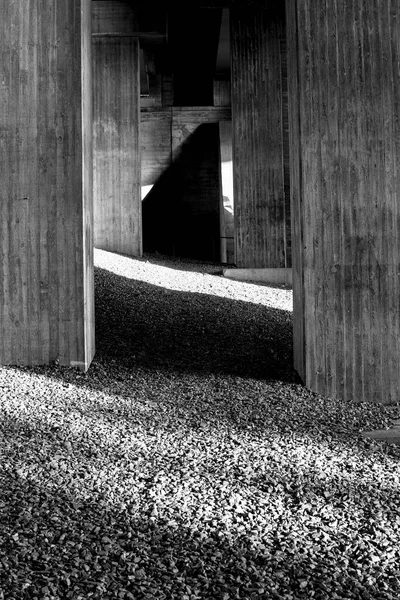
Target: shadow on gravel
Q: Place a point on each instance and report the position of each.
(140, 324)
(204, 358)
(145, 331)
(55, 544)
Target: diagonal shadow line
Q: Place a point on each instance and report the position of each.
(152, 342)
(141, 324)
(180, 214)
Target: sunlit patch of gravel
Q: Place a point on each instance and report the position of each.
(188, 463)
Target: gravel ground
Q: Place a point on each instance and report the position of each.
(188, 463)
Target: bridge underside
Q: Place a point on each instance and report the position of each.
(255, 135)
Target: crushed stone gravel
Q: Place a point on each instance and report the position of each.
(188, 463)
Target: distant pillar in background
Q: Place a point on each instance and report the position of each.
(227, 228)
(222, 97)
(262, 201)
(46, 255)
(196, 187)
(344, 93)
(117, 158)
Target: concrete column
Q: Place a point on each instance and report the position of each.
(46, 258)
(344, 96)
(117, 161)
(222, 97)
(262, 203)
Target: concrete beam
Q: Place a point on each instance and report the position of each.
(189, 114)
(142, 20)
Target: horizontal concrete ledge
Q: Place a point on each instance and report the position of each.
(82, 366)
(273, 276)
(181, 115)
(392, 436)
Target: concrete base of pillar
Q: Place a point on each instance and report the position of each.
(272, 276)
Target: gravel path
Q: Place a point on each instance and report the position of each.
(187, 463)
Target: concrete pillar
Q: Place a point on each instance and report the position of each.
(344, 95)
(117, 161)
(46, 257)
(262, 202)
(227, 229)
(222, 97)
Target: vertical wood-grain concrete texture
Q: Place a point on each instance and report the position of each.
(46, 254)
(262, 204)
(344, 91)
(299, 354)
(116, 124)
